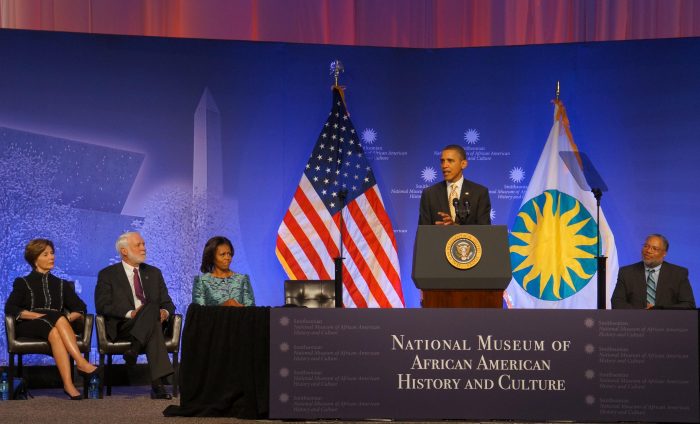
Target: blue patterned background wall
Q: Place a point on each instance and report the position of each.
(184, 139)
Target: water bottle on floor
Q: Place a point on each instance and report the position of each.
(4, 387)
(94, 387)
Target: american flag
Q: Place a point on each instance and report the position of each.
(307, 239)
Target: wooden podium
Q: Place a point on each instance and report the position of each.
(444, 285)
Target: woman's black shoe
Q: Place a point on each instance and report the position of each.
(97, 371)
(76, 397)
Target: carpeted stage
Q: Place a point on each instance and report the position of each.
(128, 404)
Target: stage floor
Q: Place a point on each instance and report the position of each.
(127, 405)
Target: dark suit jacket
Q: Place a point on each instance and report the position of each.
(114, 297)
(434, 200)
(672, 288)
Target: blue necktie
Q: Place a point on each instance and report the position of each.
(651, 287)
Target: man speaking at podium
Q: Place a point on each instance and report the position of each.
(455, 200)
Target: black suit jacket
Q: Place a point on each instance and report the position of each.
(114, 297)
(434, 200)
(672, 288)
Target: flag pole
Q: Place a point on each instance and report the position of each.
(336, 68)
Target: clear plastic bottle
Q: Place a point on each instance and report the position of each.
(94, 387)
(4, 387)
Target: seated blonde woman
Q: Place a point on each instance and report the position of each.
(218, 285)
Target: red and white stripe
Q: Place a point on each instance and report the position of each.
(307, 243)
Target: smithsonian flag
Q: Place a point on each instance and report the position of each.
(553, 241)
(307, 239)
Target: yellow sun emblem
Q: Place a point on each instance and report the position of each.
(552, 244)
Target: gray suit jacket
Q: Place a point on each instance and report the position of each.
(114, 297)
(434, 200)
(673, 289)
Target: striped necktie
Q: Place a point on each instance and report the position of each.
(453, 195)
(651, 287)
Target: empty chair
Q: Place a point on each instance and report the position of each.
(310, 293)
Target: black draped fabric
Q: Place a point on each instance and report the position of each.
(225, 363)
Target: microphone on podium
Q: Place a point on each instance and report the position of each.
(467, 206)
(461, 210)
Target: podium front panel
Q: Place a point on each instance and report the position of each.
(433, 271)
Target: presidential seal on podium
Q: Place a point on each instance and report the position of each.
(463, 250)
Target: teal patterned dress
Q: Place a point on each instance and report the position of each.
(210, 291)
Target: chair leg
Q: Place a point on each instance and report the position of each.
(19, 366)
(109, 373)
(11, 377)
(104, 375)
(71, 363)
(176, 375)
(86, 355)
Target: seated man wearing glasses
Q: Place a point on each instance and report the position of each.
(653, 283)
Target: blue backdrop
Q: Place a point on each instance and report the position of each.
(97, 136)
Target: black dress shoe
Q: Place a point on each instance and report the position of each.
(79, 396)
(159, 392)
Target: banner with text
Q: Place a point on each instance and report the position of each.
(484, 364)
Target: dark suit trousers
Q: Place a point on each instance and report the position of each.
(147, 330)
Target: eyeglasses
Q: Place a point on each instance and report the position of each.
(654, 249)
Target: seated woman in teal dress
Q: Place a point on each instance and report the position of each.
(218, 285)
